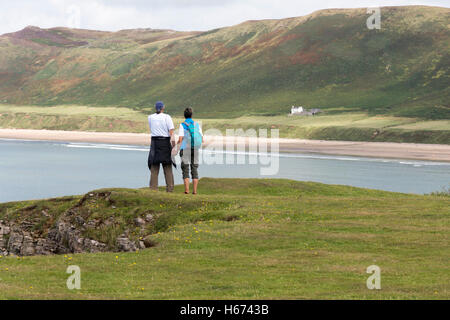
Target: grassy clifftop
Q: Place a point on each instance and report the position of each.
(243, 238)
(328, 60)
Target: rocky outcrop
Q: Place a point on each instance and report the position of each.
(63, 238)
(67, 235)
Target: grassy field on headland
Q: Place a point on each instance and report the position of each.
(248, 239)
(332, 125)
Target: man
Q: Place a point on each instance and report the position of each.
(190, 138)
(161, 128)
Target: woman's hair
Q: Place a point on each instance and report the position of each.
(188, 112)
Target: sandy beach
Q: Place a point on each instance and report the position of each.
(433, 152)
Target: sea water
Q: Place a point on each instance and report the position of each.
(42, 169)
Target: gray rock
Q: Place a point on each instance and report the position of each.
(125, 244)
(46, 247)
(3, 243)
(15, 243)
(149, 218)
(28, 248)
(139, 222)
(45, 213)
(27, 225)
(93, 246)
(69, 238)
(4, 230)
(79, 220)
(93, 223)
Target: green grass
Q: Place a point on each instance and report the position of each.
(332, 125)
(250, 239)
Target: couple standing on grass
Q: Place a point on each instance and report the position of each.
(163, 148)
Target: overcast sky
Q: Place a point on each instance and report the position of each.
(166, 14)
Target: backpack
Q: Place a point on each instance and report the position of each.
(194, 138)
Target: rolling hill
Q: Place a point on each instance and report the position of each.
(328, 59)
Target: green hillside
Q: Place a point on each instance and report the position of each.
(328, 60)
(240, 239)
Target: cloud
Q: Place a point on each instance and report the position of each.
(166, 14)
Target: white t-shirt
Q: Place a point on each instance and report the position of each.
(181, 130)
(160, 124)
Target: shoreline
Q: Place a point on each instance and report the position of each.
(413, 151)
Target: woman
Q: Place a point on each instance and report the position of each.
(190, 138)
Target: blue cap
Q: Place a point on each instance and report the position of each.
(159, 105)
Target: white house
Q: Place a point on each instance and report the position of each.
(295, 110)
